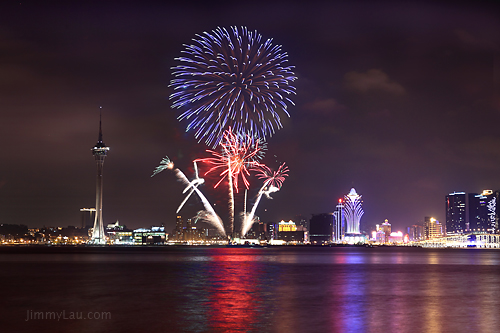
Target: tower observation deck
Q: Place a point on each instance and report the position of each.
(99, 151)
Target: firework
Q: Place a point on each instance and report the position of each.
(210, 216)
(165, 164)
(197, 181)
(232, 78)
(238, 154)
(273, 180)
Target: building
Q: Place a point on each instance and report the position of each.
(433, 228)
(353, 212)
(339, 227)
(384, 232)
(321, 228)
(153, 236)
(456, 213)
(301, 221)
(352, 215)
(290, 232)
(257, 231)
(287, 226)
(483, 216)
(395, 237)
(119, 234)
(87, 217)
(100, 152)
(415, 233)
(178, 232)
(272, 231)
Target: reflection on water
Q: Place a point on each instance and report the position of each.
(233, 291)
(256, 290)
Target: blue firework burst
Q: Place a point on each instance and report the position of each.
(232, 79)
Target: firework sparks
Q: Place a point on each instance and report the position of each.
(273, 180)
(239, 153)
(232, 79)
(165, 164)
(197, 181)
(213, 218)
(210, 216)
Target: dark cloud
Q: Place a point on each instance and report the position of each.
(372, 80)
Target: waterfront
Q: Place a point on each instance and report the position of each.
(275, 289)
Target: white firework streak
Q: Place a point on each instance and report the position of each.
(192, 185)
(213, 217)
(248, 220)
(231, 200)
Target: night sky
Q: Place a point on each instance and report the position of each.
(399, 100)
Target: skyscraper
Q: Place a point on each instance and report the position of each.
(339, 229)
(455, 213)
(483, 215)
(99, 151)
(353, 212)
(321, 228)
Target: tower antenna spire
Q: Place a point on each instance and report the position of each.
(99, 151)
(100, 144)
(100, 124)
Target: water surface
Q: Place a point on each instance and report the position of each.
(277, 289)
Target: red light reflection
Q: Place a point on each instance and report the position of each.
(233, 292)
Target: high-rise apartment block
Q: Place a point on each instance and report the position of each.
(483, 215)
(456, 212)
(433, 228)
(472, 212)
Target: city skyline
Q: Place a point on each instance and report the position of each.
(399, 102)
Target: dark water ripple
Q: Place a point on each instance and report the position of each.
(282, 289)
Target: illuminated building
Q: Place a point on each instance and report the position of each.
(88, 216)
(455, 213)
(99, 151)
(395, 237)
(415, 233)
(289, 232)
(321, 228)
(119, 234)
(386, 230)
(287, 226)
(380, 236)
(272, 231)
(339, 229)
(352, 215)
(352, 212)
(433, 229)
(153, 236)
(483, 215)
(179, 229)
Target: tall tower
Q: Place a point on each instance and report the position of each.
(339, 230)
(99, 151)
(352, 211)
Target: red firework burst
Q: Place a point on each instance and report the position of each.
(239, 154)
